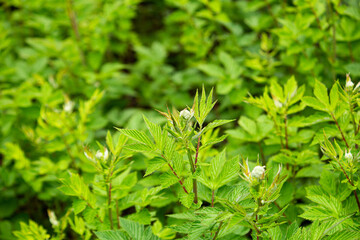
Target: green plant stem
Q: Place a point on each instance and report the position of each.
(197, 150)
(74, 25)
(271, 13)
(351, 52)
(261, 153)
(109, 205)
(341, 132)
(277, 130)
(286, 132)
(351, 183)
(109, 189)
(212, 197)
(181, 183)
(173, 171)
(90, 206)
(194, 180)
(277, 205)
(333, 30)
(353, 119)
(117, 214)
(218, 230)
(357, 199)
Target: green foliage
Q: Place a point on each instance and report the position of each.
(72, 69)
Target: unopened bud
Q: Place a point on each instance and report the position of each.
(277, 103)
(348, 155)
(52, 218)
(186, 114)
(349, 84)
(102, 155)
(258, 172)
(68, 106)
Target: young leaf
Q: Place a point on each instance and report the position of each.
(109, 142)
(153, 165)
(314, 103)
(137, 136)
(155, 131)
(137, 230)
(334, 97)
(320, 92)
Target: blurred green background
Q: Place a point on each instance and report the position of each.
(71, 70)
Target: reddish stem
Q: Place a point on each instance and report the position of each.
(181, 183)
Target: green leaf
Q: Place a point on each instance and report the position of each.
(153, 165)
(212, 70)
(320, 92)
(167, 179)
(136, 230)
(137, 136)
(346, 234)
(155, 131)
(334, 96)
(31, 231)
(74, 185)
(290, 88)
(139, 148)
(212, 125)
(248, 125)
(111, 235)
(277, 91)
(314, 103)
(79, 205)
(109, 142)
(186, 199)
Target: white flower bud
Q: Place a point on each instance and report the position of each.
(349, 84)
(186, 114)
(348, 155)
(52, 218)
(277, 103)
(102, 155)
(68, 106)
(262, 202)
(258, 172)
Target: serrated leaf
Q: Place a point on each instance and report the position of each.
(79, 205)
(137, 147)
(215, 124)
(137, 136)
(153, 165)
(334, 96)
(345, 235)
(248, 125)
(320, 92)
(314, 103)
(277, 91)
(111, 235)
(155, 131)
(109, 142)
(167, 179)
(186, 199)
(136, 230)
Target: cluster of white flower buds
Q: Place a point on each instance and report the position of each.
(186, 114)
(258, 173)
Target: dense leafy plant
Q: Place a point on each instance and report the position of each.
(70, 69)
